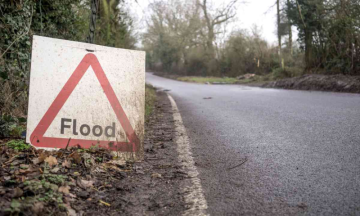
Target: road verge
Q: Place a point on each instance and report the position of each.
(78, 181)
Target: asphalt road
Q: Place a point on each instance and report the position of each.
(302, 149)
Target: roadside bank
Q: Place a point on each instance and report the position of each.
(91, 181)
(309, 82)
(317, 82)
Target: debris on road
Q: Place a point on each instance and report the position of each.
(240, 164)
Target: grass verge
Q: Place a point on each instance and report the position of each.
(225, 80)
(150, 97)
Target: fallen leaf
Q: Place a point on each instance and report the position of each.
(120, 163)
(55, 170)
(38, 207)
(84, 183)
(66, 164)
(302, 206)
(59, 154)
(17, 193)
(24, 166)
(16, 162)
(51, 161)
(113, 167)
(76, 156)
(156, 175)
(35, 161)
(72, 195)
(64, 189)
(99, 170)
(42, 157)
(24, 171)
(71, 211)
(88, 160)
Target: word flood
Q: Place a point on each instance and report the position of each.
(85, 129)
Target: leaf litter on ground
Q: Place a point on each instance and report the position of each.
(42, 182)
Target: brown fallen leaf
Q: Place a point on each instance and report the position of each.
(71, 211)
(156, 175)
(17, 193)
(25, 171)
(35, 161)
(64, 189)
(51, 161)
(59, 154)
(110, 166)
(38, 208)
(72, 195)
(42, 157)
(88, 160)
(84, 183)
(76, 156)
(66, 164)
(55, 170)
(120, 163)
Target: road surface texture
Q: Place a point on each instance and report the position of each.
(272, 152)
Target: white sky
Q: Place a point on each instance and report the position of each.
(259, 12)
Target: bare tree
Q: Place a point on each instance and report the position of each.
(220, 16)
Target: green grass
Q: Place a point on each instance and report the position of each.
(196, 79)
(150, 97)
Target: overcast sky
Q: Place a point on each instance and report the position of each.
(259, 12)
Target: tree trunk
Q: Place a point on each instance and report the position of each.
(209, 42)
(279, 33)
(308, 48)
(290, 34)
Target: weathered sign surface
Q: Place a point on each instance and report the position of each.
(93, 94)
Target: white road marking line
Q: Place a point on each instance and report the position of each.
(194, 196)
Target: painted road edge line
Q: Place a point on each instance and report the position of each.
(193, 194)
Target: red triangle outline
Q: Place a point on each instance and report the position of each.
(37, 137)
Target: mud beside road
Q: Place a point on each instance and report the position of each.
(316, 82)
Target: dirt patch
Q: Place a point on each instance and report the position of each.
(92, 182)
(336, 83)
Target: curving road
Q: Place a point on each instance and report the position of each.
(272, 152)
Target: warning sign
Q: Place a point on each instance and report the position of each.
(86, 95)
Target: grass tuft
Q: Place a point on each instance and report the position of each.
(18, 145)
(150, 97)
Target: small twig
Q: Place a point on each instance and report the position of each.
(238, 164)
(68, 144)
(105, 203)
